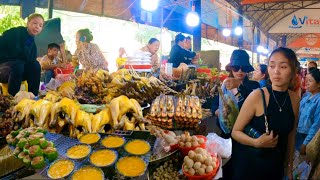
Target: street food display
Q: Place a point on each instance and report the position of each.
(85, 128)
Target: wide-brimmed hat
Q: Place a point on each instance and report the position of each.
(240, 57)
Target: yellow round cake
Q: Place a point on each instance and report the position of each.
(102, 158)
(88, 172)
(90, 138)
(79, 151)
(113, 142)
(60, 169)
(131, 166)
(137, 147)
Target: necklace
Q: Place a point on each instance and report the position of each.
(280, 107)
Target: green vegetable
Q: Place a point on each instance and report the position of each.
(21, 155)
(50, 144)
(38, 162)
(26, 160)
(33, 140)
(17, 151)
(22, 143)
(43, 143)
(35, 150)
(51, 153)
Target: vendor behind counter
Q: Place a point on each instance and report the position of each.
(179, 54)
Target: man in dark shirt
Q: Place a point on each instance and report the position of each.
(187, 44)
(18, 53)
(179, 54)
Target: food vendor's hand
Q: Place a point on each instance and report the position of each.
(267, 141)
(303, 149)
(232, 83)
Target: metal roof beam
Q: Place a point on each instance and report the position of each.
(281, 6)
(277, 9)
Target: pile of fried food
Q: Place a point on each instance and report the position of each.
(202, 88)
(6, 123)
(132, 85)
(185, 110)
(121, 114)
(91, 87)
(5, 102)
(101, 87)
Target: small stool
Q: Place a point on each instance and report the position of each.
(4, 87)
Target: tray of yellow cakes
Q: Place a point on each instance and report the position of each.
(120, 155)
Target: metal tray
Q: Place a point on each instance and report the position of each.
(63, 143)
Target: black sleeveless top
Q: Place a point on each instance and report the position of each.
(266, 163)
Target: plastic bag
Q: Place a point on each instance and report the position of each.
(302, 171)
(228, 109)
(54, 84)
(64, 77)
(216, 144)
(160, 148)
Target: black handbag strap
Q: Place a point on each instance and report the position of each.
(265, 111)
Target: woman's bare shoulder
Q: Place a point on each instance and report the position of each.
(255, 95)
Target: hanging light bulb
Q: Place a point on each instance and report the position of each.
(149, 5)
(238, 31)
(265, 51)
(192, 18)
(260, 49)
(226, 32)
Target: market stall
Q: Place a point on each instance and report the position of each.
(116, 126)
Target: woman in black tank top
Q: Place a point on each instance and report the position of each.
(264, 157)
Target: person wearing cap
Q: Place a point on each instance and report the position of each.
(179, 54)
(51, 61)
